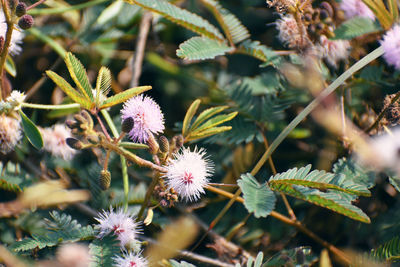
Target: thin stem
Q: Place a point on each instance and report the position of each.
(340, 254)
(59, 10)
(124, 166)
(35, 4)
(4, 52)
(103, 128)
(140, 48)
(53, 107)
(380, 116)
(147, 197)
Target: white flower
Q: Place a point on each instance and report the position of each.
(386, 151)
(16, 98)
(10, 133)
(130, 260)
(16, 38)
(333, 50)
(188, 173)
(291, 33)
(391, 46)
(119, 223)
(73, 255)
(54, 141)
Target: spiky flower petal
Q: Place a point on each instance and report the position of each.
(119, 223)
(188, 173)
(356, 8)
(147, 116)
(55, 141)
(391, 46)
(130, 260)
(292, 34)
(16, 98)
(10, 133)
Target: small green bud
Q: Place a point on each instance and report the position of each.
(105, 179)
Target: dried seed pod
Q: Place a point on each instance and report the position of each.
(105, 179)
(164, 144)
(127, 125)
(74, 143)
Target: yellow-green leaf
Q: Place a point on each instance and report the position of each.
(217, 120)
(207, 133)
(189, 116)
(123, 96)
(208, 113)
(10, 66)
(67, 88)
(78, 74)
(103, 84)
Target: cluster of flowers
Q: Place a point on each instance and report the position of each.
(126, 229)
(188, 171)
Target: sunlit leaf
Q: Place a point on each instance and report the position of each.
(189, 116)
(123, 96)
(199, 48)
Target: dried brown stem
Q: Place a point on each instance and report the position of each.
(140, 48)
(4, 52)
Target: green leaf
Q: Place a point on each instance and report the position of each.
(123, 96)
(318, 179)
(175, 263)
(217, 120)
(337, 202)
(47, 40)
(300, 256)
(189, 116)
(79, 75)
(208, 132)
(233, 28)
(67, 88)
(206, 114)
(103, 250)
(262, 52)
(180, 16)
(354, 173)
(199, 48)
(10, 66)
(31, 131)
(6, 185)
(258, 198)
(356, 27)
(390, 251)
(103, 84)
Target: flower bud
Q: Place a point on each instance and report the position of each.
(74, 143)
(12, 4)
(326, 6)
(20, 10)
(153, 145)
(178, 139)
(105, 179)
(93, 138)
(164, 144)
(1, 43)
(88, 118)
(25, 22)
(127, 125)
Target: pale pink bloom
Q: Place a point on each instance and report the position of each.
(130, 260)
(10, 133)
(290, 33)
(73, 255)
(356, 8)
(391, 46)
(54, 141)
(120, 224)
(333, 50)
(16, 38)
(188, 173)
(147, 116)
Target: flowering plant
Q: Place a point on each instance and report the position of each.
(95, 174)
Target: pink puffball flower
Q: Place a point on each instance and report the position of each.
(10, 133)
(54, 141)
(391, 46)
(130, 260)
(188, 173)
(147, 116)
(290, 33)
(120, 224)
(334, 50)
(73, 255)
(356, 8)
